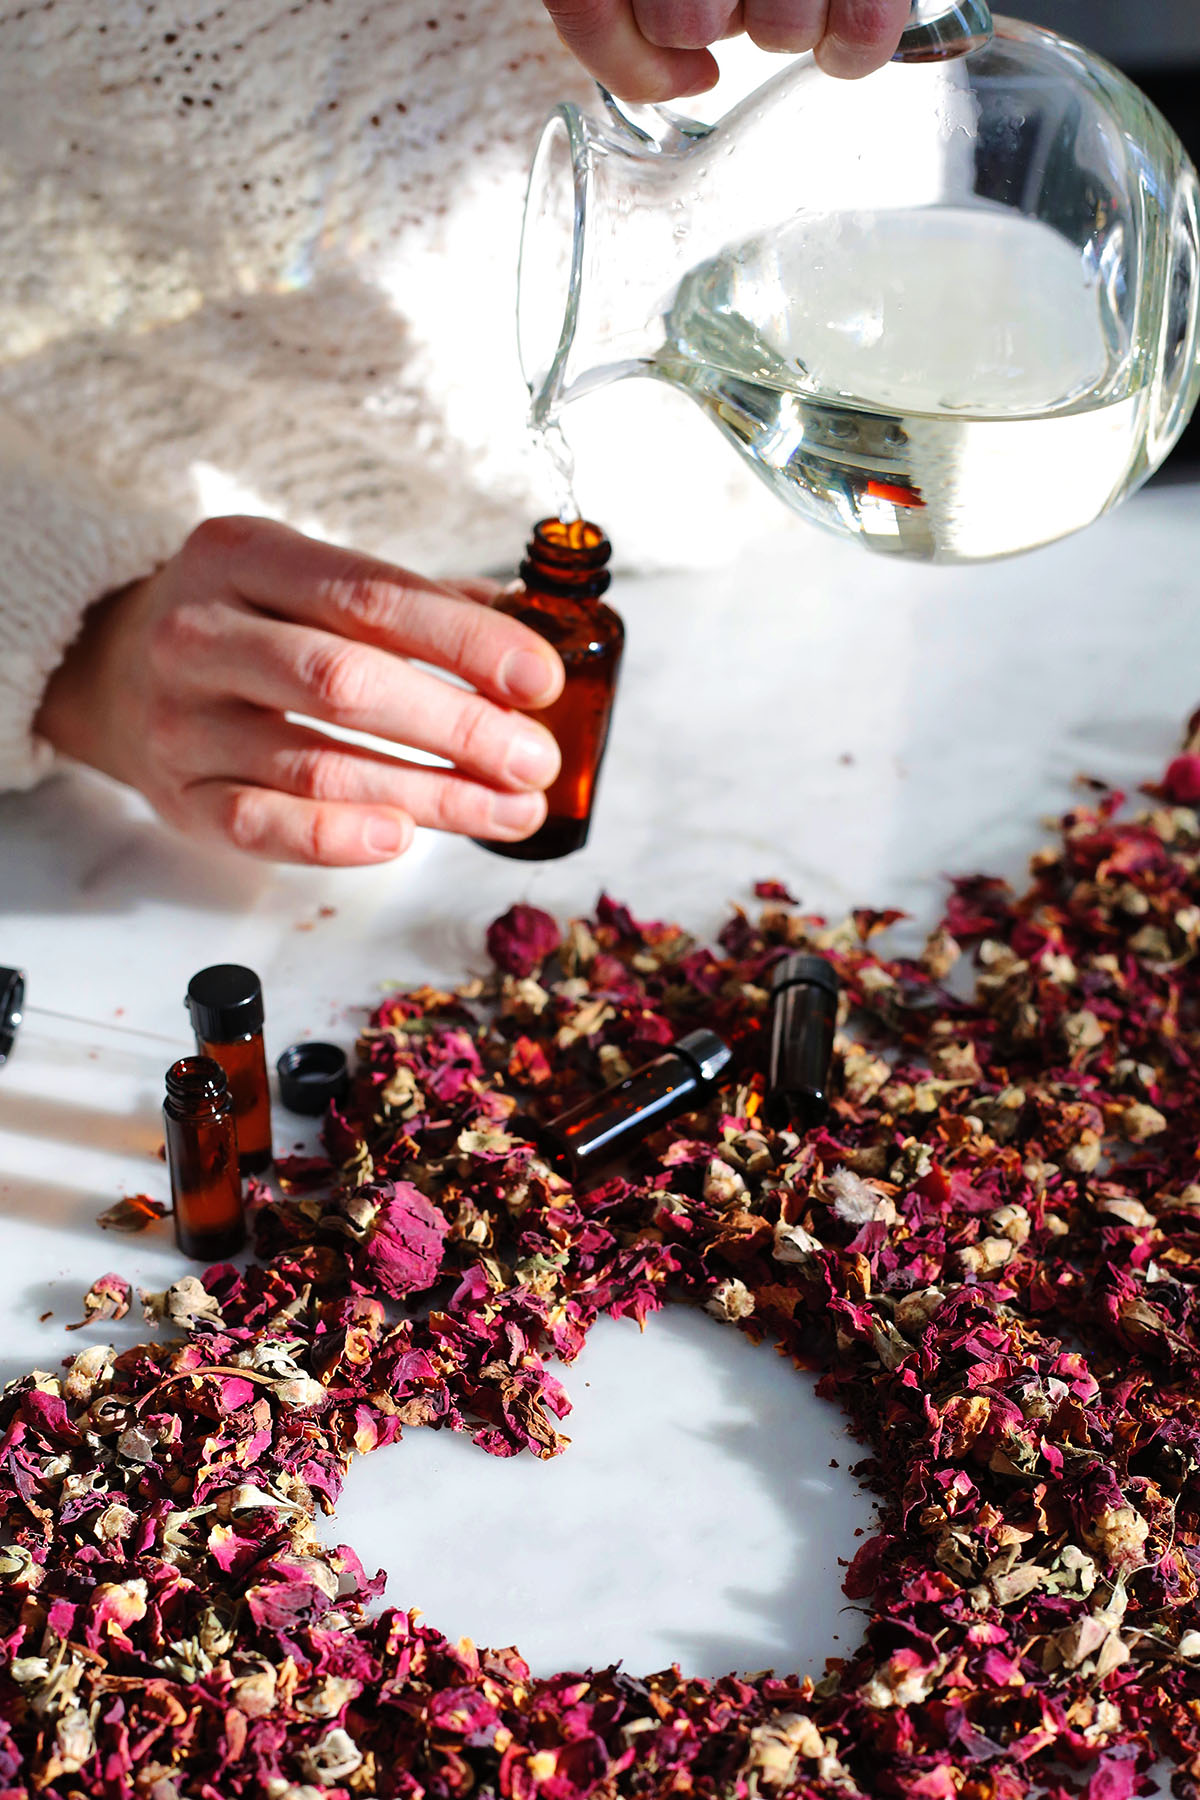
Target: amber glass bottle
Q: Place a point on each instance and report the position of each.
(202, 1157)
(226, 1007)
(612, 1122)
(563, 576)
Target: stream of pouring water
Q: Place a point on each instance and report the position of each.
(558, 456)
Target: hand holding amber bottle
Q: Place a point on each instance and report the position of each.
(187, 686)
(563, 576)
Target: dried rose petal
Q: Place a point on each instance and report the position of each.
(990, 1252)
(520, 941)
(133, 1213)
(403, 1250)
(774, 890)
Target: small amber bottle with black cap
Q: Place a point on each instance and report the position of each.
(202, 1158)
(611, 1123)
(226, 1007)
(563, 576)
(804, 1007)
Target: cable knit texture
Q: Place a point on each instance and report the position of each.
(260, 256)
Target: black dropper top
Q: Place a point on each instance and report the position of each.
(225, 1002)
(802, 970)
(804, 1005)
(12, 1009)
(709, 1053)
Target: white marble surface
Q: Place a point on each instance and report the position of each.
(853, 727)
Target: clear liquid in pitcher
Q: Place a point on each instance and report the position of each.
(944, 383)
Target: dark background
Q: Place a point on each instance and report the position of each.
(1157, 42)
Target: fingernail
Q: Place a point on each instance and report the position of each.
(525, 676)
(385, 835)
(836, 57)
(518, 813)
(533, 759)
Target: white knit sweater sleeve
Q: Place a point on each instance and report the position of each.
(260, 256)
(66, 540)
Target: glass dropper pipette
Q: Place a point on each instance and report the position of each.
(14, 1011)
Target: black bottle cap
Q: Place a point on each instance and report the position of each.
(225, 1002)
(710, 1054)
(801, 970)
(310, 1076)
(12, 1009)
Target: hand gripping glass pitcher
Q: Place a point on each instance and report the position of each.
(950, 311)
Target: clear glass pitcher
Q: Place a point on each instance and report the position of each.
(950, 311)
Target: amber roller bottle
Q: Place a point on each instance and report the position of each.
(226, 1007)
(202, 1157)
(563, 577)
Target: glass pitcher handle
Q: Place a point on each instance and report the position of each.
(653, 128)
(942, 28)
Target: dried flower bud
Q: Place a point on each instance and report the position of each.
(940, 954)
(1139, 1122)
(1011, 1222)
(856, 1202)
(1118, 1535)
(730, 1300)
(795, 1245)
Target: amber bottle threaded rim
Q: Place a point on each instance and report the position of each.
(570, 543)
(567, 557)
(196, 1083)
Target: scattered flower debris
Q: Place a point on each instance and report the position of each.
(990, 1253)
(133, 1213)
(107, 1298)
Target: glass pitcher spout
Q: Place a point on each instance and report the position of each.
(951, 311)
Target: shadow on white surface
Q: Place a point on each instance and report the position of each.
(695, 1516)
(56, 1206)
(64, 1120)
(109, 853)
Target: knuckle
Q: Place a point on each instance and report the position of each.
(302, 772)
(178, 635)
(575, 15)
(315, 839)
(866, 23)
(779, 37)
(365, 600)
(473, 636)
(338, 678)
(453, 809)
(167, 729)
(219, 537)
(316, 774)
(679, 25)
(244, 818)
(474, 736)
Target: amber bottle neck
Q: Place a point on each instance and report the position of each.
(568, 558)
(197, 1089)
